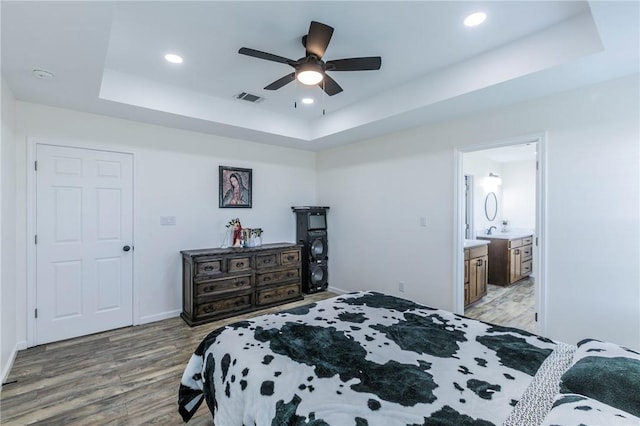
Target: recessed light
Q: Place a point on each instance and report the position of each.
(173, 58)
(43, 74)
(307, 101)
(475, 19)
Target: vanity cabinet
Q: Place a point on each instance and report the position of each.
(510, 259)
(219, 283)
(475, 274)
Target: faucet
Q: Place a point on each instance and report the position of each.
(489, 230)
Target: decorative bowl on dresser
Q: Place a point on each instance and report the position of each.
(222, 282)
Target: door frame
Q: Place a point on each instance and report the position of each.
(539, 265)
(31, 259)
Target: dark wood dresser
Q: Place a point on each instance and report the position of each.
(222, 282)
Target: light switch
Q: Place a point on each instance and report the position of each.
(167, 220)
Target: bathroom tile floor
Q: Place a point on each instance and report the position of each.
(512, 306)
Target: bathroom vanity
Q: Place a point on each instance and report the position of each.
(475, 270)
(510, 257)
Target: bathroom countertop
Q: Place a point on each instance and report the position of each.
(475, 243)
(507, 235)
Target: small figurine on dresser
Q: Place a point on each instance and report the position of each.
(237, 233)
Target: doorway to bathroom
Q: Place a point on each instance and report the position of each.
(500, 223)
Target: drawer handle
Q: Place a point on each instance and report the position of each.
(266, 279)
(208, 268)
(208, 309)
(290, 257)
(267, 261)
(239, 264)
(290, 274)
(480, 262)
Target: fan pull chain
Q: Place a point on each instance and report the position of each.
(324, 94)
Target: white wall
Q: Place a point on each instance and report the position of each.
(379, 188)
(175, 174)
(519, 194)
(8, 284)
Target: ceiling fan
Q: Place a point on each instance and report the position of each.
(311, 69)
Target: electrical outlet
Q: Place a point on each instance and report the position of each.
(401, 287)
(423, 221)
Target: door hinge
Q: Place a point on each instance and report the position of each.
(536, 241)
(36, 238)
(36, 313)
(35, 166)
(536, 317)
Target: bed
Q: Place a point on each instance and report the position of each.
(372, 359)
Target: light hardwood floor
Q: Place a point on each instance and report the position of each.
(512, 306)
(128, 376)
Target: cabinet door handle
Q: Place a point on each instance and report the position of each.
(517, 251)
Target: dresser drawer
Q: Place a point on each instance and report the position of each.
(208, 267)
(238, 264)
(273, 295)
(208, 288)
(219, 307)
(266, 260)
(527, 252)
(525, 269)
(277, 277)
(288, 258)
(527, 240)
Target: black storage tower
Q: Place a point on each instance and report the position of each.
(311, 233)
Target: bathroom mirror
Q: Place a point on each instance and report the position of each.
(491, 206)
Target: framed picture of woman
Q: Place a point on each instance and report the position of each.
(235, 187)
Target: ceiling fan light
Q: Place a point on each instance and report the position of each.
(310, 77)
(309, 74)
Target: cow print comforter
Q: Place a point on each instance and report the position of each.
(361, 359)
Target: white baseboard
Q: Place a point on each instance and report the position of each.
(337, 290)
(6, 369)
(159, 317)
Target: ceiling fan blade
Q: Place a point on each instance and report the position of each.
(264, 55)
(281, 82)
(355, 64)
(330, 86)
(318, 39)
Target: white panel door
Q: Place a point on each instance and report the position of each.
(84, 227)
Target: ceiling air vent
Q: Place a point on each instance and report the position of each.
(249, 97)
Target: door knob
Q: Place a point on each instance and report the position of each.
(126, 248)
